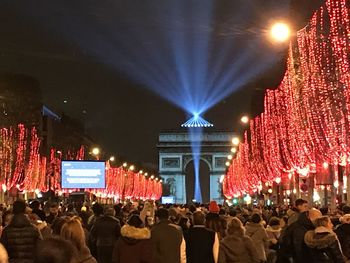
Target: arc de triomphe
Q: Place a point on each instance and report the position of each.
(176, 163)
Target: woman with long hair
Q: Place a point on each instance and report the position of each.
(73, 231)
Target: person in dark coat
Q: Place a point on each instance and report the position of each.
(168, 243)
(323, 242)
(20, 237)
(202, 244)
(343, 233)
(214, 221)
(35, 206)
(55, 250)
(54, 213)
(293, 244)
(104, 235)
(236, 246)
(134, 245)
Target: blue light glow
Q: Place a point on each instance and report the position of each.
(193, 55)
(196, 154)
(197, 121)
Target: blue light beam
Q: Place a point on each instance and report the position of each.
(197, 122)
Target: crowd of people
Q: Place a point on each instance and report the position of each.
(153, 233)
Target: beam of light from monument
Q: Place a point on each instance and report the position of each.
(177, 58)
(195, 137)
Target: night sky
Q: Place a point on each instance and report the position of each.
(92, 55)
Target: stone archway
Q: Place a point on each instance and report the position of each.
(204, 179)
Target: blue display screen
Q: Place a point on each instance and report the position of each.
(83, 174)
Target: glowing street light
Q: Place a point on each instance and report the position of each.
(95, 151)
(245, 119)
(132, 167)
(125, 164)
(234, 150)
(235, 141)
(280, 32)
(229, 157)
(112, 158)
(227, 163)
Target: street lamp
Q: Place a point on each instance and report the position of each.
(235, 141)
(233, 150)
(245, 119)
(112, 158)
(280, 32)
(95, 151)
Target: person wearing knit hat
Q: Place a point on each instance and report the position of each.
(134, 245)
(214, 221)
(213, 207)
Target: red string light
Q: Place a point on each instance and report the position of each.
(306, 121)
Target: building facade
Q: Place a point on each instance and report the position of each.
(176, 163)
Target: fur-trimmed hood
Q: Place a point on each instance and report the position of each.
(131, 232)
(273, 229)
(320, 238)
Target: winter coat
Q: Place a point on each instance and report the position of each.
(237, 248)
(293, 244)
(134, 246)
(343, 233)
(20, 238)
(84, 256)
(257, 233)
(103, 236)
(324, 246)
(168, 243)
(274, 234)
(216, 223)
(201, 243)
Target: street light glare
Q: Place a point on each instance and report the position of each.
(235, 141)
(245, 119)
(112, 158)
(280, 32)
(95, 151)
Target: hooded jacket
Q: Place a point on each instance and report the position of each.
(324, 246)
(134, 246)
(257, 233)
(237, 248)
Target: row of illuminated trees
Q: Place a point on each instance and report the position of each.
(22, 167)
(305, 126)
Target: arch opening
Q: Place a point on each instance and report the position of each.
(204, 179)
